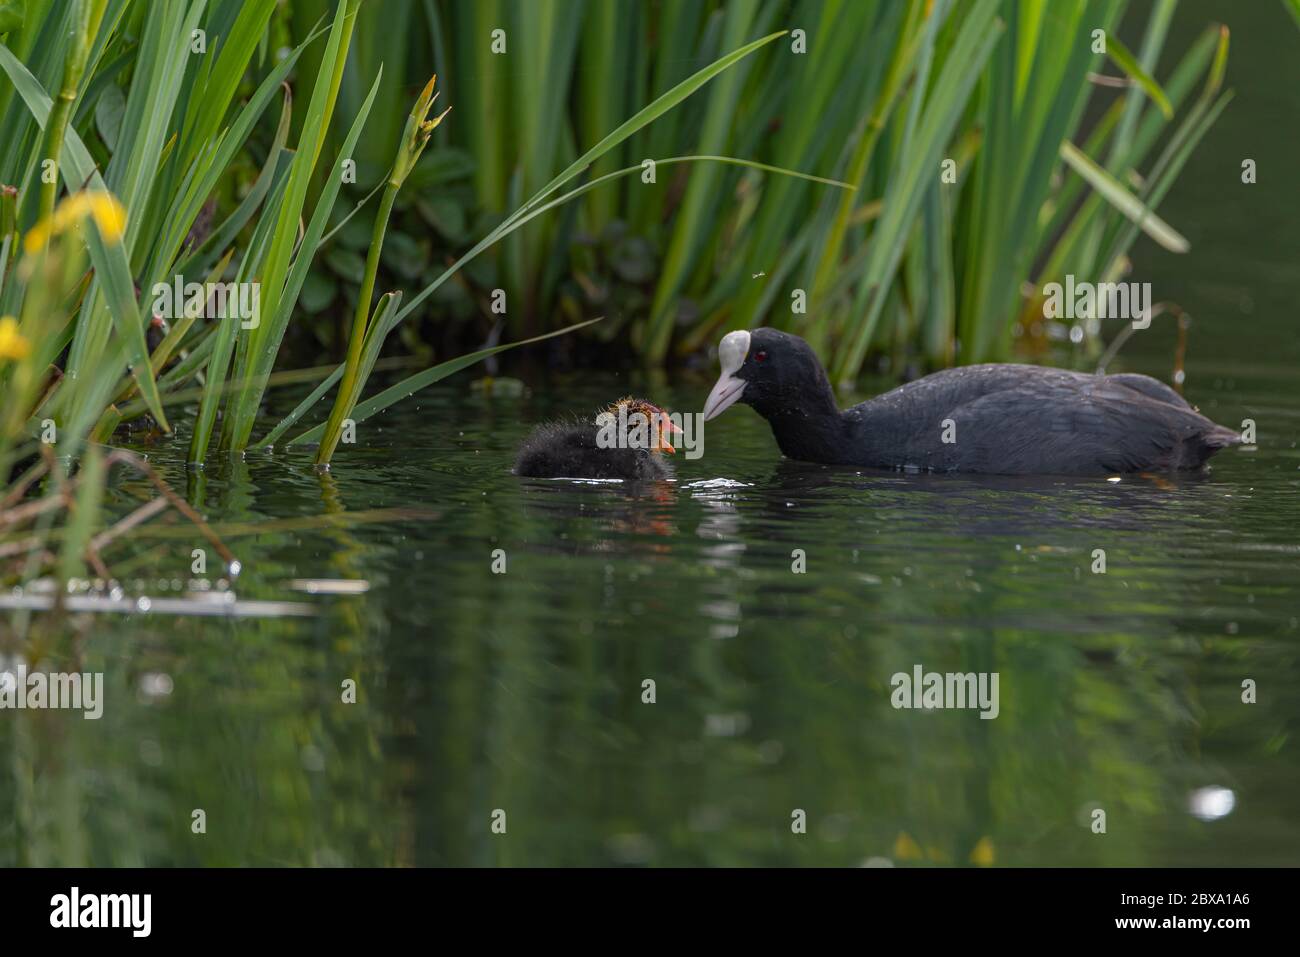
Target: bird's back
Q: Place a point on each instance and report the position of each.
(571, 450)
(1020, 419)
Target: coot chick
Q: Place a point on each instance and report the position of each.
(998, 418)
(624, 442)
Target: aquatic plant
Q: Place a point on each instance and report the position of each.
(884, 177)
(994, 147)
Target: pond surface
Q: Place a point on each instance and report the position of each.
(522, 692)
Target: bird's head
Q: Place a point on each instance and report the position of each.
(633, 414)
(766, 369)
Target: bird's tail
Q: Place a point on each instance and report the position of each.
(1221, 437)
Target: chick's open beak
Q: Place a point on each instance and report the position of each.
(664, 429)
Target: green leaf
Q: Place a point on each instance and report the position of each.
(112, 271)
(347, 264)
(1293, 7)
(1124, 201)
(225, 234)
(412, 384)
(521, 218)
(504, 230)
(90, 493)
(11, 15)
(318, 291)
(353, 233)
(280, 279)
(914, 174)
(445, 215)
(647, 115)
(440, 166)
(108, 115)
(404, 255)
(1122, 58)
(215, 159)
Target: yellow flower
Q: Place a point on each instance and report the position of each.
(906, 849)
(12, 343)
(110, 216)
(982, 854)
(102, 207)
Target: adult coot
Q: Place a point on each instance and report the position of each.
(623, 441)
(1002, 418)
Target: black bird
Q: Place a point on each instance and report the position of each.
(623, 442)
(998, 418)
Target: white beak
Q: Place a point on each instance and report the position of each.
(724, 394)
(732, 351)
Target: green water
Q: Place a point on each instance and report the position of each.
(523, 691)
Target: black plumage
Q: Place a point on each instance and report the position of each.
(996, 418)
(571, 449)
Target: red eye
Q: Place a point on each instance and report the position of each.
(760, 356)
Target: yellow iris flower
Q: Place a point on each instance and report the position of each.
(102, 207)
(12, 343)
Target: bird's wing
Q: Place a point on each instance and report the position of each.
(1051, 424)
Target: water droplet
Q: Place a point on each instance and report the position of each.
(154, 685)
(1211, 803)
